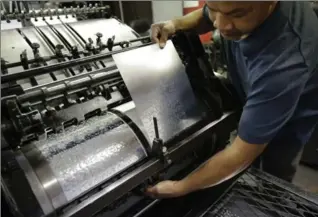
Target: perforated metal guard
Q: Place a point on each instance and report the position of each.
(259, 195)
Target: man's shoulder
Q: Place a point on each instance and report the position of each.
(300, 14)
(302, 24)
(289, 34)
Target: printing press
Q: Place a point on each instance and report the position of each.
(92, 114)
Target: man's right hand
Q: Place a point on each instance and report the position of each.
(161, 31)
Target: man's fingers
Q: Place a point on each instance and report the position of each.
(163, 38)
(151, 190)
(155, 33)
(159, 34)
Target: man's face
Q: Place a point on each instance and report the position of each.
(235, 20)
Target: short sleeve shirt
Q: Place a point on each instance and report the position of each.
(275, 72)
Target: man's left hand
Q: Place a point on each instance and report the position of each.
(167, 189)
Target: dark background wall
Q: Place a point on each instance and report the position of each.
(132, 10)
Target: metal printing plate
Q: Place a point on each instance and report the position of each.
(14, 24)
(34, 37)
(84, 156)
(160, 88)
(45, 51)
(12, 45)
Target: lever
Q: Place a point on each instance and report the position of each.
(158, 149)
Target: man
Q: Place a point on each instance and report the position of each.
(272, 54)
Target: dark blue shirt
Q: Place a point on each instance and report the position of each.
(275, 72)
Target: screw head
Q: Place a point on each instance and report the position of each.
(35, 45)
(99, 35)
(59, 46)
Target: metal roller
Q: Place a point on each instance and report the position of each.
(67, 165)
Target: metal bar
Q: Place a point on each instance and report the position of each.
(119, 188)
(15, 64)
(121, 9)
(48, 96)
(144, 210)
(72, 30)
(46, 39)
(81, 41)
(59, 35)
(38, 91)
(62, 65)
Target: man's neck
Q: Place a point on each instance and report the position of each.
(271, 9)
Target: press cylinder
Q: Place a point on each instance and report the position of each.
(69, 164)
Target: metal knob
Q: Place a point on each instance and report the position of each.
(59, 46)
(58, 50)
(99, 35)
(99, 38)
(35, 46)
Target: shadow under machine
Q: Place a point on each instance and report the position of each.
(90, 118)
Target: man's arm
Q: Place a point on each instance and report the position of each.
(198, 20)
(222, 166)
(276, 87)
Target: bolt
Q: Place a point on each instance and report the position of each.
(99, 35)
(59, 46)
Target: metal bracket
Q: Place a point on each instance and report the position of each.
(26, 123)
